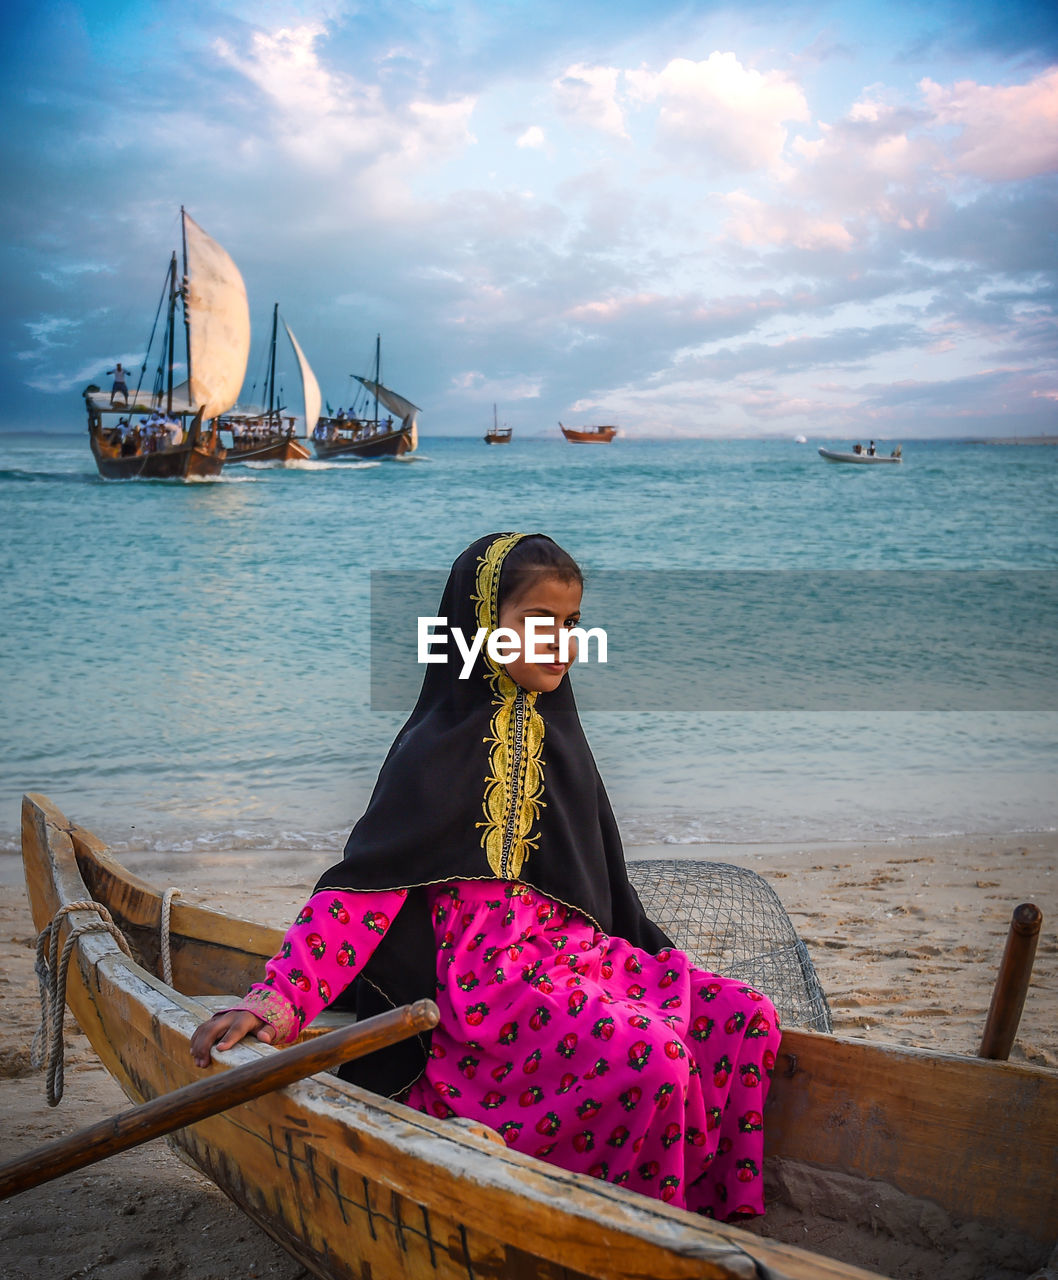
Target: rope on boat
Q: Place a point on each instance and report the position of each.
(48, 1047)
(167, 959)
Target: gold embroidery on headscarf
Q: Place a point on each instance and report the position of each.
(515, 779)
(487, 583)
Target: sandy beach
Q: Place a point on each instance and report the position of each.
(906, 937)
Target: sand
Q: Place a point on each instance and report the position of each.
(906, 937)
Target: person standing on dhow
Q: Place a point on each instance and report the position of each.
(120, 385)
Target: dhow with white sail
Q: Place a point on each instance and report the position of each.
(162, 433)
(363, 433)
(267, 434)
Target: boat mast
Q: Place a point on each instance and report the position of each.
(378, 371)
(171, 327)
(187, 315)
(272, 363)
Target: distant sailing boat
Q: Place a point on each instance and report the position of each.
(589, 435)
(498, 434)
(370, 437)
(261, 436)
(216, 320)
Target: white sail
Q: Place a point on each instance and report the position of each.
(404, 409)
(219, 321)
(310, 388)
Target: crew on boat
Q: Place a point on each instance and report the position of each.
(120, 387)
(871, 450)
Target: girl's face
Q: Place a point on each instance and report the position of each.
(544, 597)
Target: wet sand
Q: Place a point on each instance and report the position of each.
(906, 937)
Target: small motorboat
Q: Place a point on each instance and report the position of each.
(860, 455)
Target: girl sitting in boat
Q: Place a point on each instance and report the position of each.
(487, 873)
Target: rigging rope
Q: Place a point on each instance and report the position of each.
(48, 1047)
(150, 340)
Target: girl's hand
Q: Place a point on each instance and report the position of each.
(225, 1030)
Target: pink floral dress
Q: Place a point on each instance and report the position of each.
(575, 1046)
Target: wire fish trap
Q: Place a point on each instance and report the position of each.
(731, 921)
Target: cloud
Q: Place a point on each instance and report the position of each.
(756, 222)
(477, 386)
(1007, 132)
(322, 117)
(898, 162)
(729, 232)
(49, 332)
(588, 96)
(981, 394)
(876, 165)
(67, 273)
(733, 114)
(848, 347)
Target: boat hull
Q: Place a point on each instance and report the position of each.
(594, 435)
(498, 439)
(190, 460)
(868, 459)
(388, 444)
(325, 1164)
(284, 449)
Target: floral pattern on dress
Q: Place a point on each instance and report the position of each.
(576, 1047)
(333, 937)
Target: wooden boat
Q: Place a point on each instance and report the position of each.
(261, 436)
(126, 452)
(355, 1185)
(357, 435)
(498, 434)
(173, 443)
(832, 455)
(589, 435)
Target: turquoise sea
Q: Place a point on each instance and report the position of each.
(187, 666)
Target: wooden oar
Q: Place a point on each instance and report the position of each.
(211, 1095)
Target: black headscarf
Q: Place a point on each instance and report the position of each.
(484, 781)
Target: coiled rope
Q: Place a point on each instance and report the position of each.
(48, 1046)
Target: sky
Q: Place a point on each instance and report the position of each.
(689, 219)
